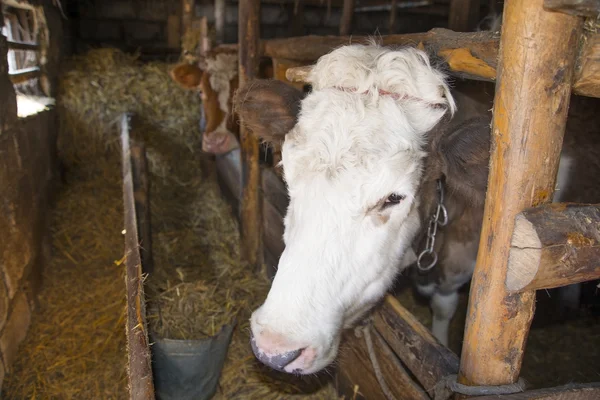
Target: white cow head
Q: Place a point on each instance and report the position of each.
(352, 156)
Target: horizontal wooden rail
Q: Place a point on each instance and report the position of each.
(23, 46)
(586, 391)
(554, 245)
(23, 75)
(582, 8)
(414, 344)
(471, 55)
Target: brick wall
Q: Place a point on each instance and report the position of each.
(27, 172)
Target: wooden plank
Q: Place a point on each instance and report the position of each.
(173, 32)
(141, 386)
(220, 6)
(346, 21)
(587, 75)
(15, 45)
(251, 219)
(427, 359)
(582, 8)
(24, 75)
(530, 113)
(470, 55)
(357, 379)
(464, 14)
(141, 194)
(587, 391)
(554, 245)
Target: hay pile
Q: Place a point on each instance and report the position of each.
(199, 282)
(75, 348)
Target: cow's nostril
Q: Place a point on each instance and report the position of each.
(275, 361)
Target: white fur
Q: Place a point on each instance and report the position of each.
(222, 69)
(348, 152)
(444, 307)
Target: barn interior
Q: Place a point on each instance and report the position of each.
(69, 72)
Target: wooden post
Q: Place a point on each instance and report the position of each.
(537, 58)
(187, 14)
(463, 15)
(251, 219)
(220, 21)
(297, 23)
(346, 22)
(393, 12)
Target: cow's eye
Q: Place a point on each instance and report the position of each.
(393, 199)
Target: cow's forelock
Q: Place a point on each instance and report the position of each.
(348, 153)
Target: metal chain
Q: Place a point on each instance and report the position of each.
(434, 222)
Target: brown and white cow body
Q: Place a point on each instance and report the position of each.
(216, 77)
(362, 155)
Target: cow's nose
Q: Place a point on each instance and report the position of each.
(273, 358)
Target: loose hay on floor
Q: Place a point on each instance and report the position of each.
(76, 346)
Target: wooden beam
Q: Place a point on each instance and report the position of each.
(587, 75)
(537, 58)
(141, 386)
(187, 14)
(356, 376)
(141, 194)
(464, 14)
(220, 6)
(13, 45)
(346, 21)
(554, 245)
(468, 55)
(582, 8)
(427, 359)
(249, 56)
(24, 75)
(587, 391)
(393, 12)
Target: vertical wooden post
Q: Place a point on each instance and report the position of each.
(187, 14)
(220, 21)
(393, 11)
(537, 57)
(463, 15)
(297, 24)
(346, 22)
(249, 57)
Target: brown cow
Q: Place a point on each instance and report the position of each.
(216, 77)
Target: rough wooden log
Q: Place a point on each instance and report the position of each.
(468, 55)
(220, 20)
(393, 12)
(24, 75)
(588, 391)
(582, 8)
(249, 56)
(141, 386)
(187, 14)
(587, 75)
(141, 188)
(356, 378)
(13, 45)
(537, 58)
(554, 245)
(427, 359)
(346, 21)
(463, 15)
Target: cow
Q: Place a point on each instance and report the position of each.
(364, 154)
(215, 76)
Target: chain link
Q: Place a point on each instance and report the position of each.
(434, 222)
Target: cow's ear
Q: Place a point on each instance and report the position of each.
(186, 75)
(269, 108)
(465, 154)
